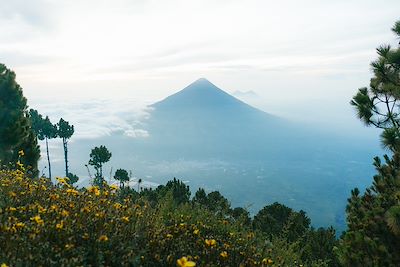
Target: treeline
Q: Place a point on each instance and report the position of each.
(275, 221)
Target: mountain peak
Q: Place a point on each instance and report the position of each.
(201, 95)
(201, 83)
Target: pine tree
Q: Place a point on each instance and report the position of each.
(373, 218)
(65, 132)
(122, 176)
(99, 156)
(15, 127)
(44, 130)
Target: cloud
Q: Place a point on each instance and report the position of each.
(97, 118)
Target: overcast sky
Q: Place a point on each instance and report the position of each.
(304, 59)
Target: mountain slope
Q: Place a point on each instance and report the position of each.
(203, 120)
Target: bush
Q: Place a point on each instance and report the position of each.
(53, 225)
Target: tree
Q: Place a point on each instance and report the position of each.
(122, 176)
(44, 130)
(72, 178)
(282, 221)
(200, 197)
(241, 214)
(218, 203)
(213, 201)
(65, 132)
(378, 105)
(180, 191)
(138, 184)
(373, 218)
(319, 244)
(99, 156)
(16, 133)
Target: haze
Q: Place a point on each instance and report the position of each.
(297, 57)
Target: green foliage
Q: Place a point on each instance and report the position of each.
(378, 105)
(319, 245)
(99, 156)
(373, 218)
(72, 178)
(213, 201)
(200, 197)
(179, 190)
(64, 129)
(44, 130)
(59, 225)
(279, 220)
(372, 237)
(122, 176)
(241, 215)
(42, 127)
(65, 132)
(15, 127)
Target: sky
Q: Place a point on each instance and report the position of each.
(97, 61)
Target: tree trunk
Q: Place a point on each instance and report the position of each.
(65, 156)
(48, 157)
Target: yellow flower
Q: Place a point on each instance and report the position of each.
(65, 213)
(184, 262)
(12, 209)
(125, 219)
(72, 192)
(85, 236)
(61, 180)
(21, 153)
(103, 238)
(20, 225)
(114, 187)
(224, 254)
(94, 189)
(60, 225)
(169, 236)
(54, 196)
(267, 261)
(196, 232)
(3, 265)
(117, 206)
(85, 209)
(41, 209)
(38, 220)
(210, 242)
(69, 246)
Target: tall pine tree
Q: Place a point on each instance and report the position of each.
(65, 132)
(16, 133)
(373, 218)
(44, 130)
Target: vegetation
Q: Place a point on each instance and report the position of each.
(65, 132)
(122, 176)
(52, 225)
(98, 157)
(373, 218)
(16, 133)
(44, 130)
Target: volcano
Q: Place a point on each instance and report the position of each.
(204, 120)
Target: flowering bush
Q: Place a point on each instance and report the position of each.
(53, 225)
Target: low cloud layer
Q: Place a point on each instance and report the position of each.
(93, 118)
